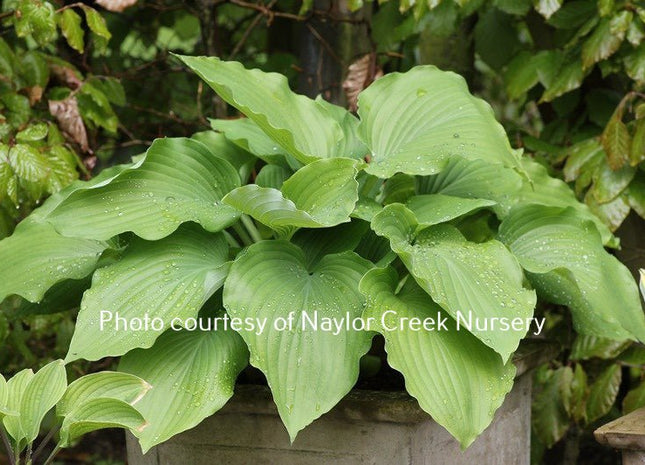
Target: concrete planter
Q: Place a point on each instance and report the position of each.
(367, 427)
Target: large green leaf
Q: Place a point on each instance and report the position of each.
(193, 374)
(308, 370)
(180, 180)
(439, 208)
(104, 384)
(478, 280)
(39, 257)
(41, 394)
(350, 145)
(474, 179)
(567, 264)
(166, 279)
(417, 121)
(293, 121)
(542, 189)
(221, 147)
(99, 413)
(320, 194)
(455, 378)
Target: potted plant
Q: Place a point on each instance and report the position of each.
(289, 238)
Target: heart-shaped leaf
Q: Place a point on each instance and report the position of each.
(166, 279)
(308, 370)
(455, 378)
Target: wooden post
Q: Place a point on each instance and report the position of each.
(627, 434)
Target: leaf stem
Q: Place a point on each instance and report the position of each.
(231, 239)
(44, 442)
(7, 444)
(250, 227)
(246, 239)
(50, 459)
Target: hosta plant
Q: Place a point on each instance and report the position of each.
(92, 402)
(289, 238)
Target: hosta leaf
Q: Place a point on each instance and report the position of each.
(32, 133)
(105, 384)
(272, 176)
(474, 179)
(642, 282)
(99, 413)
(3, 397)
(567, 265)
(170, 278)
(417, 121)
(458, 380)
(320, 194)
(221, 147)
(293, 121)
(41, 394)
(249, 136)
(39, 257)
(545, 190)
(438, 208)
(180, 180)
(603, 391)
(193, 374)
(350, 145)
(465, 278)
(270, 280)
(16, 387)
(70, 25)
(634, 399)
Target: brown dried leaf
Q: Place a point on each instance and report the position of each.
(360, 74)
(69, 119)
(66, 75)
(116, 5)
(34, 93)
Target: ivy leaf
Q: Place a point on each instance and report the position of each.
(617, 142)
(193, 374)
(270, 280)
(321, 194)
(294, 122)
(460, 381)
(466, 278)
(70, 25)
(167, 279)
(567, 264)
(416, 122)
(140, 198)
(603, 392)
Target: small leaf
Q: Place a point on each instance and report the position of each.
(637, 153)
(635, 64)
(41, 394)
(603, 391)
(70, 25)
(548, 415)
(602, 43)
(32, 133)
(105, 384)
(568, 78)
(16, 387)
(99, 413)
(617, 142)
(634, 399)
(193, 374)
(35, 18)
(97, 25)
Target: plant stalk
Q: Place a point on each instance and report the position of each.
(7, 444)
(46, 439)
(246, 239)
(250, 227)
(50, 459)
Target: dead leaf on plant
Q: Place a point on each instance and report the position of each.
(116, 6)
(69, 119)
(34, 93)
(360, 74)
(66, 75)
